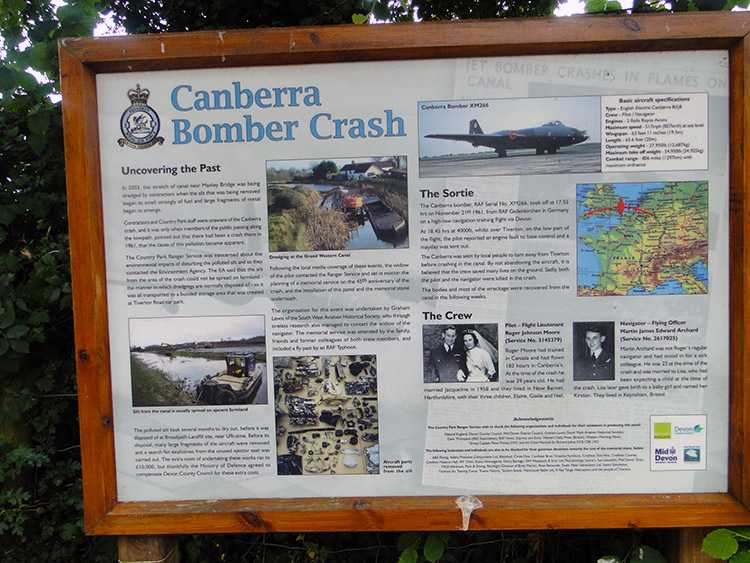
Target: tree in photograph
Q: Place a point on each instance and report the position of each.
(325, 170)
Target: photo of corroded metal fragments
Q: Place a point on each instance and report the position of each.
(326, 415)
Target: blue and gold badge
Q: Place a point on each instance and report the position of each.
(139, 123)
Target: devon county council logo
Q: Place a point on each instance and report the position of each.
(687, 430)
(139, 123)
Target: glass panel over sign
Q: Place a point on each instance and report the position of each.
(435, 277)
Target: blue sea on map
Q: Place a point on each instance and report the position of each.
(589, 269)
(669, 287)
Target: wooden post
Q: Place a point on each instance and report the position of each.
(684, 545)
(148, 549)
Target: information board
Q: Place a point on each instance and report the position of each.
(333, 288)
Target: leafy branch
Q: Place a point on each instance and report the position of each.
(377, 9)
(643, 6)
(432, 545)
(728, 543)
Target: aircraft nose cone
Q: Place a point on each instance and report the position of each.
(579, 133)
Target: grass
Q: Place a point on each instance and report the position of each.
(286, 232)
(297, 223)
(155, 388)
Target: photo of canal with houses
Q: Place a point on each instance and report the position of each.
(338, 204)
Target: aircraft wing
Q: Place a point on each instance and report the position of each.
(477, 140)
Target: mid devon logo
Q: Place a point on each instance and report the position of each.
(665, 455)
(662, 430)
(139, 123)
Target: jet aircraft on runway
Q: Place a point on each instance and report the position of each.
(548, 137)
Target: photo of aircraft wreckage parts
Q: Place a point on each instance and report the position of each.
(326, 415)
(538, 136)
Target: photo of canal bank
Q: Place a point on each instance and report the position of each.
(202, 370)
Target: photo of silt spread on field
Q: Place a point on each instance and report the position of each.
(198, 361)
(326, 415)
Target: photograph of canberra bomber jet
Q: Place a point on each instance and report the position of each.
(548, 137)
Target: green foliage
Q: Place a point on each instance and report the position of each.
(344, 547)
(432, 545)
(427, 10)
(287, 215)
(137, 16)
(296, 221)
(720, 543)
(40, 482)
(642, 6)
(193, 15)
(281, 198)
(286, 232)
(154, 387)
(647, 555)
(285, 198)
(626, 546)
(324, 170)
(283, 175)
(602, 6)
(729, 543)
(643, 553)
(377, 9)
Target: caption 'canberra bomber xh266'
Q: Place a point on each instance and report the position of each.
(548, 137)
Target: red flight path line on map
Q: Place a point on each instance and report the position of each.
(620, 208)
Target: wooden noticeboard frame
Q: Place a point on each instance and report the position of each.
(82, 59)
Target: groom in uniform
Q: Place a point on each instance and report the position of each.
(446, 359)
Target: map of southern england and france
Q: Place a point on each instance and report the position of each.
(647, 238)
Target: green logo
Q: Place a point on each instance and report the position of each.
(662, 430)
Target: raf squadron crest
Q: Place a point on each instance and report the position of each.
(139, 123)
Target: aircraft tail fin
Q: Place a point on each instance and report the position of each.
(474, 128)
